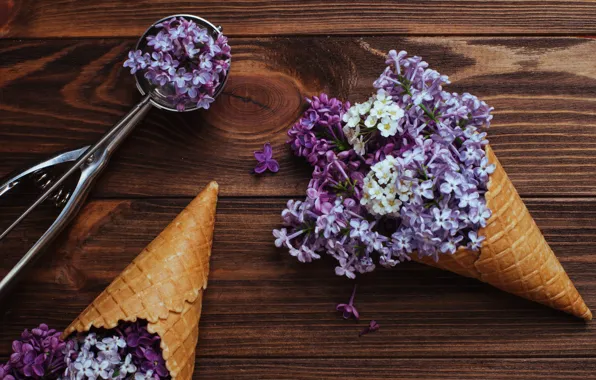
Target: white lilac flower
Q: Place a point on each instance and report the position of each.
(364, 108)
(375, 114)
(383, 97)
(352, 117)
(387, 126)
(359, 146)
(394, 112)
(403, 189)
(380, 113)
(371, 121)
(390, 206)
(384, 190)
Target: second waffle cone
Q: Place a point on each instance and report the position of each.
(164, 285)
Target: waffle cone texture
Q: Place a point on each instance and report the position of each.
(164, 285)
(514, 256)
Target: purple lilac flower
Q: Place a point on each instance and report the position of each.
(186, 59)
(153, 361)
(265, 160)
(445, 146)
(475, 240)
(319, 131)
(349, 310)
(5, 372)
(39, 354)
(372, 327)
(125, 352)
(434, 155)
(137, 61)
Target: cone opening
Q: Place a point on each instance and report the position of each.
(133, 341)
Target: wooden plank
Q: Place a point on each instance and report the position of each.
(262, 303)
(386, 368)
(63, 94)
(51, 18)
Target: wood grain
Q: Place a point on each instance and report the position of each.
(63, 94)
(386, 368)
(262, 303)
(100, 18)
(267, 316)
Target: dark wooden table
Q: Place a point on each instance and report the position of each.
(265, 315)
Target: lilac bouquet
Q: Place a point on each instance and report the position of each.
(39, 354)
(185, 57)
(403, 172)
(126, 352)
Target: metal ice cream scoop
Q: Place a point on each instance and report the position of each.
(88, 161)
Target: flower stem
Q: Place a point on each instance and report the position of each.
(353, 295)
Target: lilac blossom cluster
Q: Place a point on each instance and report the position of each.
(319, 131)
(128, 352)
(39, 354)
(185, 57)
(404, 172)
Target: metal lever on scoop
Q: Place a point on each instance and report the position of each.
(90, 160)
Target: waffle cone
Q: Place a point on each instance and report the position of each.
(164, 285)
(514, 257)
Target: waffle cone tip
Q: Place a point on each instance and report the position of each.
(515, 256)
